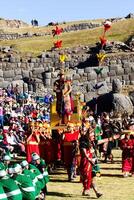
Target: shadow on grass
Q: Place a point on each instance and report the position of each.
(113, 175)
(58, 194)
(59, 181)
(112, 168)
(58, 173)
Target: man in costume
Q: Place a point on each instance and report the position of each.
(64, 104)
(86, 164)
(126, 146)
(70, 138)
(11, 189)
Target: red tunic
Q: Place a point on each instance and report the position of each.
(32, 146)
(86, 170)
(127, 146)
(133, 158)
(47, 150)
(68, 146)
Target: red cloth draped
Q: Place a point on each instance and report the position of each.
(68, 146)
(133, 158)
(32, 146)
(86, 170)
(127, 154)
(47, 150)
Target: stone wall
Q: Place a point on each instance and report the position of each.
(74, 27)
(78, 65)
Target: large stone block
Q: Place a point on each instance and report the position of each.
(1, 79)
(90, 95)
(33, 60)
(18, 71)
(31, 65)
(102, 87)
(38, 71)
(4, 84)
(122, 104)
(104, 74)
(48, 75)
(8, 74)
(76, 77)
(47, 82)
(18, 77)
(125, 77)
(92, 75)
(132, 67)
(80, 71)
(128, 64)
(119, 71)
(1, 73)
(25, 73)
(127, 70)
(23, 65)
(112, 73)
(114, 67)
(54, 74)
(131, 77)
(88, 69)
(12, 59)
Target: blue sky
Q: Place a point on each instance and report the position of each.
(64, 10)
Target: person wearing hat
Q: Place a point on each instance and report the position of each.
(32, 145)
(58, 88)
(6, 161)
(126, 145)
(11, 189)
(41, 165)
(24, 182)
(64, 103)
(35, 171)
(70, 138)
(32, 175)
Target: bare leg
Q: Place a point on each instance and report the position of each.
(98, 194)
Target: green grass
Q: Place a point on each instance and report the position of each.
(120, 31)
(111, 184)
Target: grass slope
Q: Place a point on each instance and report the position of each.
(120, 31)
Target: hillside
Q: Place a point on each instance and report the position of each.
(6, 24)
(120, 31)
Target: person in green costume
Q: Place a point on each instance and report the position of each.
(25, 183)
(11, 189)
(2, 193)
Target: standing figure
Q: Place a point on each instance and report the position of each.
(70, 138)
(64, 103)
(68, 102)
(58, 88)
(32, 144)
(87, 164)
(126, 146)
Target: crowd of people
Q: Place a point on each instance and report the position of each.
(30, 149)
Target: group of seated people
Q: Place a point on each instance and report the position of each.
(23, 180)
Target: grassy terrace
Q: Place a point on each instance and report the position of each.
(120, 31)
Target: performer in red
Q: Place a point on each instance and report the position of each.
(131, 128)
(70, 138)
(86, 164)
(126, 145)
(32, 145)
